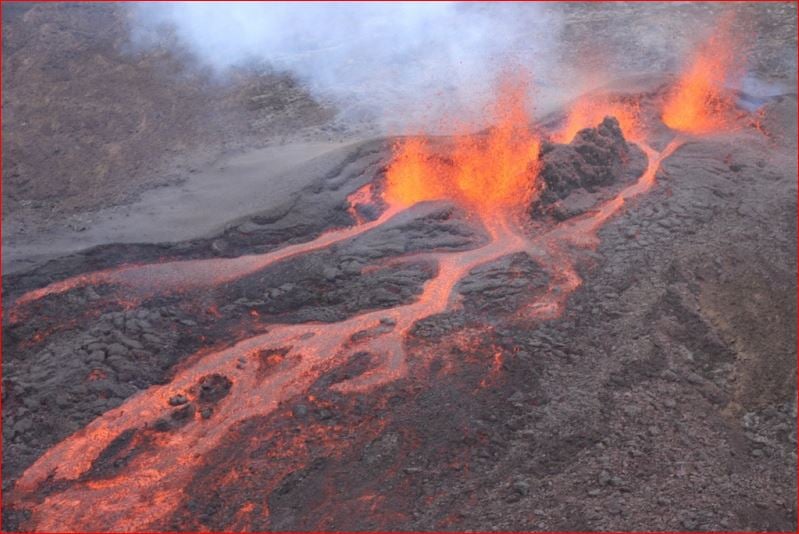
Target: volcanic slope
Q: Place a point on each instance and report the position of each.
(623, 360)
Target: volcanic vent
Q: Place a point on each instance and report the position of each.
(431, 313)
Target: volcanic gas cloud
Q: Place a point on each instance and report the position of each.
(166, 433)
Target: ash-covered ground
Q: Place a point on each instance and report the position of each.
(662, 398)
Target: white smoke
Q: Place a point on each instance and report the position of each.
(404, 64)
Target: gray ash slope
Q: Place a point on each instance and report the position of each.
(663, 398)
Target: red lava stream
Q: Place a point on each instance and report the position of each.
(151, 485)
(151, 279)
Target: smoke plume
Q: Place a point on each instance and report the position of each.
(404, 64)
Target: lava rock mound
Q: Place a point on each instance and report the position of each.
(596, 157)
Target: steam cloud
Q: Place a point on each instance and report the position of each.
(406, 65)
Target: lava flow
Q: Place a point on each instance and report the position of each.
(140, 281)
(494, 176)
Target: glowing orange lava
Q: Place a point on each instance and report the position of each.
(494, 175)
(490, 173)
(500, 172)
(589, 111)
(699, 102)
(413, 175)
(147, 489)
(141, 281)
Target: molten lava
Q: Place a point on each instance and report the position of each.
(488, 173)
(413, 175)
(500, 173)
(141, 281)
(699, 102)
(494, 175)
(589, 111)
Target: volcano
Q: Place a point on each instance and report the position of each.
(584, 322)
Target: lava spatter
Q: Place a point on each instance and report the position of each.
(699, 102)
(489, 173)
(589, 111)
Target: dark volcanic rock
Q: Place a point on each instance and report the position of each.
(177, 400)
(596, 157)
(214, 388)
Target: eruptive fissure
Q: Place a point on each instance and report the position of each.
(494, 176)
(699, 102)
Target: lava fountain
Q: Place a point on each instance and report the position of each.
(699, 102)
(490, 174)
(590, 110)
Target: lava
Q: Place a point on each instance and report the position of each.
(500, 173)
(140, 281)
(589, 111)
(699, 102)
(488, 173)
(413, 175)
(493, 175)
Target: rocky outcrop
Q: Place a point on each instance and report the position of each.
(597, 157)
